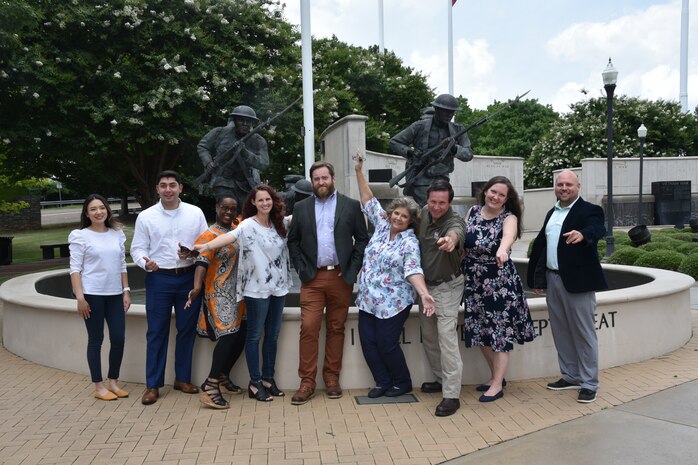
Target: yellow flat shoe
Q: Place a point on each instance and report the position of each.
(120, 393)
(107, 396)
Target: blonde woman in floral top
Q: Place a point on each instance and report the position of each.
(390, 274)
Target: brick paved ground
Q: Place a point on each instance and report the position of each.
(49, 416)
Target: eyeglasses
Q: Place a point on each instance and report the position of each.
(228, 209)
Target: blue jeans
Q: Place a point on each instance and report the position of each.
(162, 292)
(109, 308)
(380, 343)
(263, 315)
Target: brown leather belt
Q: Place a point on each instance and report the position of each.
(176, 271)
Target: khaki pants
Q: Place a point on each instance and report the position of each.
(440, 336)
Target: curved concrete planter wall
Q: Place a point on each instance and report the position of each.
(634, 324)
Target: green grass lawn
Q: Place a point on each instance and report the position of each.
(25, 245)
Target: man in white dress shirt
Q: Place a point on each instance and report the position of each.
(160, 230)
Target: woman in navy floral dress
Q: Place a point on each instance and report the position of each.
(390, 274)
(496, 311)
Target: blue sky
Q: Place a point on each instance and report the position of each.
(505, 47)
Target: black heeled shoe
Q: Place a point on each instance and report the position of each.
(211, 395)
(229, 386)
(271, 387)
(260, 392)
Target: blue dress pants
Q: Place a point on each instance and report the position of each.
(380, 343)
(162, 292)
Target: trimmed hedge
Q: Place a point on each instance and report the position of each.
(663, 259)
(689, 266)
(626, 255)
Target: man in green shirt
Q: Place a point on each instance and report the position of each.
(441, 233)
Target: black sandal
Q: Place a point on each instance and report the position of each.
(211, 395)
(261, 393)
(270, 385)
(229, 386)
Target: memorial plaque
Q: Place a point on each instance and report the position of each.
(672, 202)
(476, 187)
(382, 175)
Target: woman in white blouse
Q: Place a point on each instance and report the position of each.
(100, 284)
(264, 278)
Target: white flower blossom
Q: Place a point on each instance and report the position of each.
(192, 37)
(38, 63)
(181, 68)
(3, 74)
(35, 95)
(167, 67)
(177, 91)
(187, 30)
(135, 121)
(113, 122)
(6, 141)
(205, 98)
(137, 108)
(48, 133)
(37, 139)
(224, 21)
(117, 75)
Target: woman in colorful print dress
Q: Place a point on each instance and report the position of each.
(390, 274)
(496, 311)
(221, 317)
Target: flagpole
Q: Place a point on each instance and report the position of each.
(307, 71)
(683, 79)
(450, 46)
(380, 26)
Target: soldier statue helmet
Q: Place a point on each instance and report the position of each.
(243, 117)
(445, 106)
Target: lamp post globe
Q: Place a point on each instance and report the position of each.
(610, 77)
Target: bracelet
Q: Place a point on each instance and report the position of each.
(126, 289)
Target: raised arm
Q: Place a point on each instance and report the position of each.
(365, 193)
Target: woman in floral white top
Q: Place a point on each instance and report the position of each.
(390, 274)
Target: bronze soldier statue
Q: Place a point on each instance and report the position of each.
(416, 144)
(236, 173)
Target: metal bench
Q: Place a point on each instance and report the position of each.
(48, 251)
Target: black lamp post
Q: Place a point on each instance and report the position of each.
(641, 133)
(640, 234)
(610, 77)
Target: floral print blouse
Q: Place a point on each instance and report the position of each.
(383, 287)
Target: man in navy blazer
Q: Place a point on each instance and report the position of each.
(326, 242)
(564, 261)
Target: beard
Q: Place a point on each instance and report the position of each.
(323, 192)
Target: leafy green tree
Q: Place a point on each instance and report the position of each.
(511, 133)
(581, 133)
(105, 95)
(355, 80)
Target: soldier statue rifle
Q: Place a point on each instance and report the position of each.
(417, 169)
(229, 156)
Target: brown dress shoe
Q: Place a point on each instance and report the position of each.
(334, 390)
(447, 407)
(302, 395)
(150, 396)
(186, 388)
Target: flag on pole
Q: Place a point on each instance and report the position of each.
(453, 2)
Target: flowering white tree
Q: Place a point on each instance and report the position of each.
(106, 94)
(581, 133)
